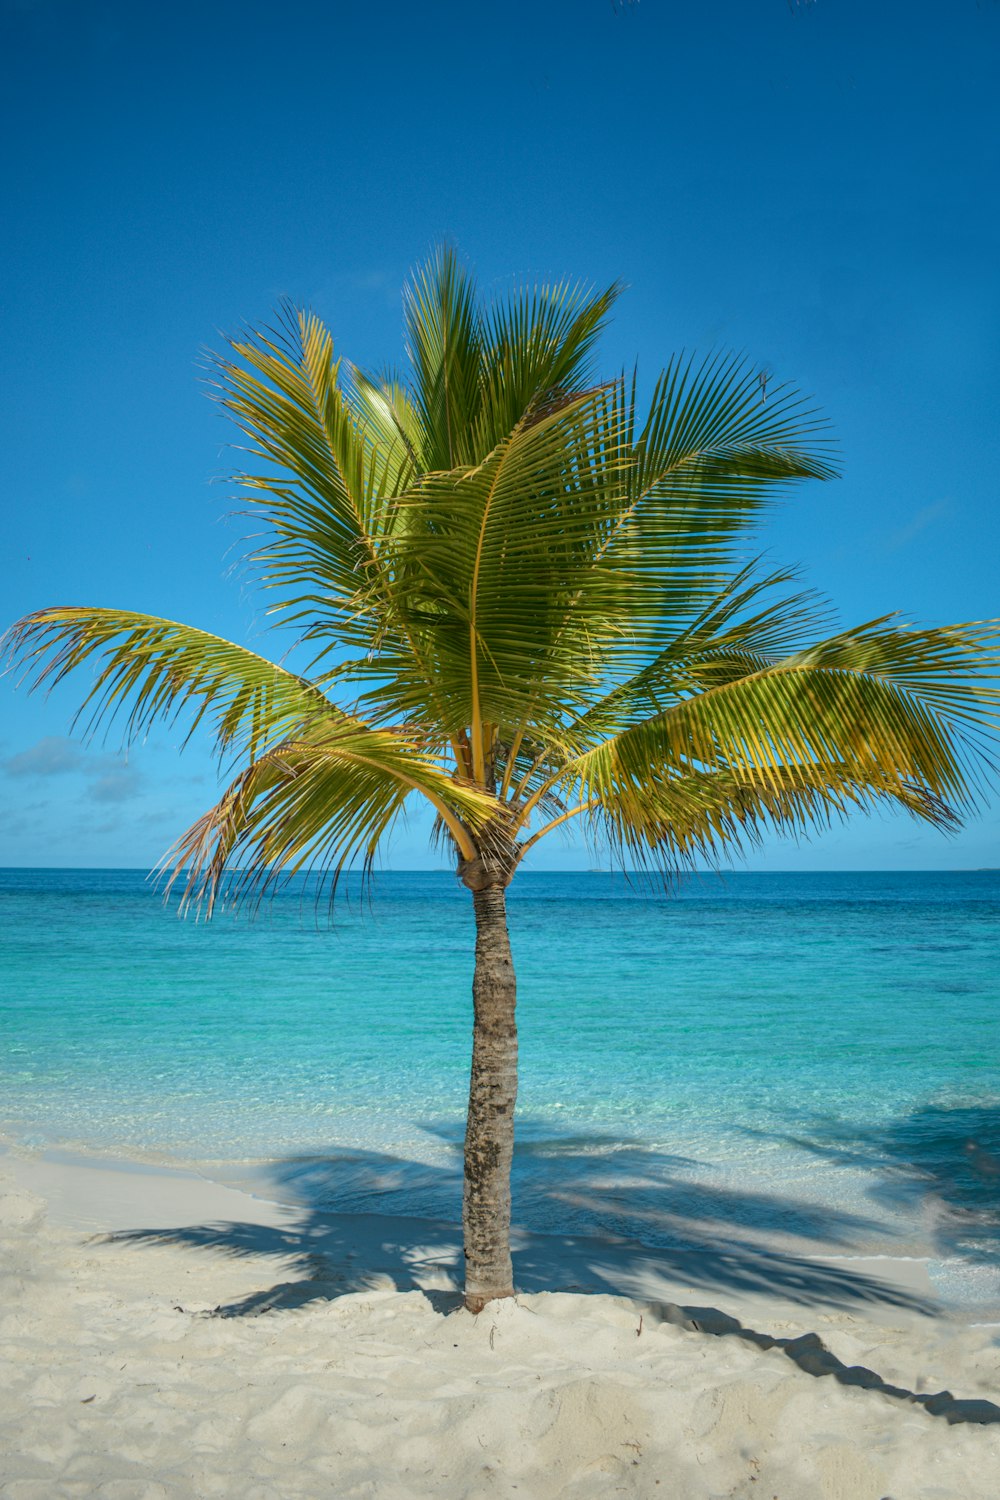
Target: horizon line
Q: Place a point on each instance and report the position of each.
(579, 870)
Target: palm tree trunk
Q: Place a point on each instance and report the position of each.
(489, 1135)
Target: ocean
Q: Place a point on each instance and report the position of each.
(806, 1059)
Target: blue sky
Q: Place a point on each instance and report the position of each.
(814, 184)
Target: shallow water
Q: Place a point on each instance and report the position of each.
(811, 1055)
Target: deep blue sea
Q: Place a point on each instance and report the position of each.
(815, 1055)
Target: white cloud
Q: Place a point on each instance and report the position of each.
(52, 756)
(111, 779)
(115, 782)
(923, 518)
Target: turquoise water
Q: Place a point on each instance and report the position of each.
(785, 1039)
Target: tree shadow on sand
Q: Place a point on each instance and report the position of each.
(362, 1219)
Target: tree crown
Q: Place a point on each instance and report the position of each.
(528, 602)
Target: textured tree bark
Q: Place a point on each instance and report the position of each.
(489, 1135)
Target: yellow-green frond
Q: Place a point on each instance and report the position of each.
(323, 499)
(899, 709)
(496, 559)
(322, 801)
(698, 818)
(146, 668)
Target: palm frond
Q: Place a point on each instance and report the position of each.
(444, 344)
(696, 818)
(903, 710)
(384, 409)
(708, 457)
(538, 345)
(493, 555)
(147, 668)
(321, 801)
(322, 502)
(742, 629)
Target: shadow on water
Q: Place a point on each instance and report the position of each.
(941, 1162)
(363, 1218)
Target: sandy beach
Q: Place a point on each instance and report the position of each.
(164, 1335)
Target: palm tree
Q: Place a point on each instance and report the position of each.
(527, 605)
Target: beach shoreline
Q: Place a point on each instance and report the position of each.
(166, 1336)
(109, 1193)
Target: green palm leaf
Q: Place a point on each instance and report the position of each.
(905, 712)
(322, 800)
(689, 818)
(444, 343)
(322, 499)
(492, 555)
(709, 456)
(150, 669)
(537, 344)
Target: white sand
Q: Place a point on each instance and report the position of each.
(344, 1369)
